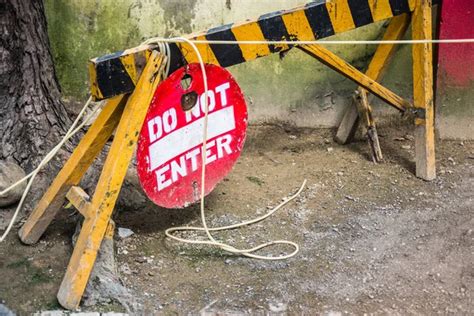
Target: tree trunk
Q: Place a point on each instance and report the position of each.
(32, 116)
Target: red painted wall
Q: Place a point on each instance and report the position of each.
(456, 61)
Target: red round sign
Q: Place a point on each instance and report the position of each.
(169, 154)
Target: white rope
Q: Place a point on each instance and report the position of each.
(318, 42)
(72, 130)
(249, 252)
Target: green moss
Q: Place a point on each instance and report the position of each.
(19, 263)
(458, 102)
(38, 276)
(256, 180)
(83, 30)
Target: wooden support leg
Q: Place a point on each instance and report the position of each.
(110, 181)
(72, 172)
(423, 92)
(365, 112)
(376, 70)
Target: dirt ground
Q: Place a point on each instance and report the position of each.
(374, 238)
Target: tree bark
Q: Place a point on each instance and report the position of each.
(32, 116)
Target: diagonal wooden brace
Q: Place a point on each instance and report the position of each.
(100, 209)
(341, 66)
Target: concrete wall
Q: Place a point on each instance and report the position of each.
(297, 88)
(455, 112)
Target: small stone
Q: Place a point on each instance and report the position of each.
(340, 173)
(278, 307)
(292, 137)
(125, 232)
(140, 259)
(9, 174)
(406, 147)
(330, 149)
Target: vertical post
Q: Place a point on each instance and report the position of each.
(423, 91)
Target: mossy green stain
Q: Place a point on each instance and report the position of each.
(178, 15)
(81, 31)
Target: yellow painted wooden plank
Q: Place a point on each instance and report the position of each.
(298, 26)
(338, 64)
(108, 186)
(95, 91)
(79, 199)
(250, 31)
(423, 91)
(340, 15)
(128, 62)
(206, 52)
(381, 9)
(73, 170)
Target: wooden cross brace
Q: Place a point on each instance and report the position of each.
(128, 80)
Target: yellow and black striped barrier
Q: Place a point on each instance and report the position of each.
(118, 73)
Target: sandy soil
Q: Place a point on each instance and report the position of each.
(373, 238)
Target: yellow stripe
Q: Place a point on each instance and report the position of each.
(341, 17)
(298, 26)
(412, 4)
(205, 50)
(250, 31)
(96, 94)
(380, 9)
(128, 62)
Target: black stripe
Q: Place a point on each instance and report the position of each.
(319, 20)
(177, 59)
(273, 29)
(112, 78)
(227, 55)
(399, 7)
(360, 11)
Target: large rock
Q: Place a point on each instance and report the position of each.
(5, 311)
(10, 173)
(105, 286)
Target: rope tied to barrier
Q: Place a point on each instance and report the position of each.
(163, 46)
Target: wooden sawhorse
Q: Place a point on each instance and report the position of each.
(126, 113)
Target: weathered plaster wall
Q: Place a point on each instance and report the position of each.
(297, 88)
(455, 112)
